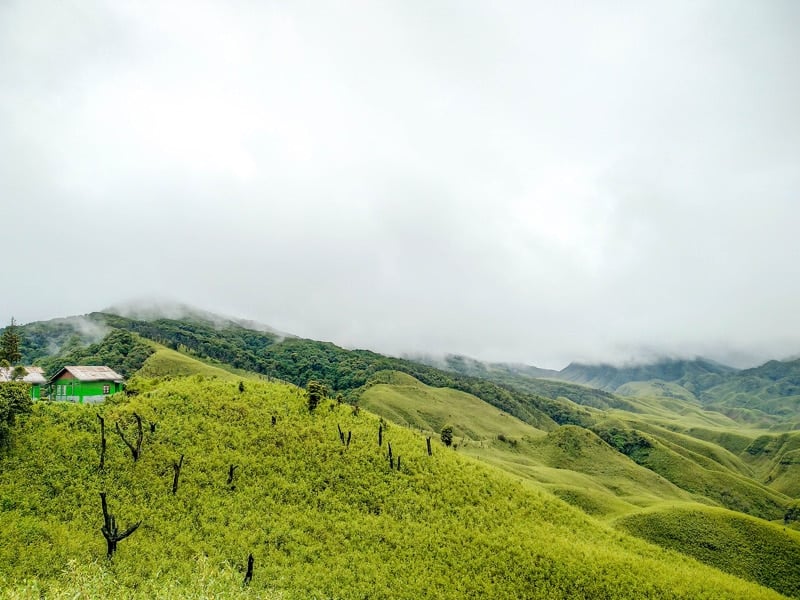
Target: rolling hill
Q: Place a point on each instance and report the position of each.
(320, 518)
(649, 447)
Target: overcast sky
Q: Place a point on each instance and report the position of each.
(508, 180)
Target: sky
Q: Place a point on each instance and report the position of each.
(533, 182)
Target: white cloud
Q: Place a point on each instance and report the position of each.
(521, 182)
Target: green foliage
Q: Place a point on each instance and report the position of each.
(316, 392)
(170, 363)
(321, 519)
(18, 373)
(46, 338)
(792, 513)
(622, 438)
(15, 400)
(744, 546)
(119, 350)
(9, 344)
(348, 371)
(230, 344)
(447, 435)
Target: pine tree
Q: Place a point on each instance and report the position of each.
(9, 344)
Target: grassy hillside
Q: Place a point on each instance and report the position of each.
(411, 403)
(570, 461)
(693, 472)
(343, 371)
(321, 519)
(744, 546)
(170, 363)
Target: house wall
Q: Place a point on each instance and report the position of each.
(75, 390)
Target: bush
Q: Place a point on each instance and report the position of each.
(447, 435)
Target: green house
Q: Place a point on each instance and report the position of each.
(84, 384)
(33, 375)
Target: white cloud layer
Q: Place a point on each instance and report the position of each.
(521, 181)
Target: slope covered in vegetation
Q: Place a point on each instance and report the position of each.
(321, 518)
(570, 461)
(744, 546)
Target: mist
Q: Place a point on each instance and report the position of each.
(523, 183)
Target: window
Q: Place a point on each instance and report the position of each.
(106, 389)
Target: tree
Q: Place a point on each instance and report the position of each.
(316, 392)
(9, 344)
(792, 513)
(447, 435)
(15, 399)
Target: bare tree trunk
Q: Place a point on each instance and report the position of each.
(428, 442)
(231, 469)
(135, 450)
(248, 577)
(177, 468)
(110, 530)
(380, 434)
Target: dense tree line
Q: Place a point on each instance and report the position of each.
(342, 371)
(119, 350)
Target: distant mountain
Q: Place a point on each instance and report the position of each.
(695, 375)
(773, 388)
(528, 379)
(153, 310)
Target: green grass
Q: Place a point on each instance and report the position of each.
(170, 363)
(563, 461)
(322, 520)
(744, 546)
(409, 402)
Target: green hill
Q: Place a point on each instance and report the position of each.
(321, 518)
(570, 461)
(743, 546)
(409, 402)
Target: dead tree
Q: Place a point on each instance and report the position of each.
(380, 434)
(231, 469)
(428, 442)
(152, 427)
(110, 530)
(248, 577)
(341, 433)
(176, 467)
(398, 462)
(102, 442)
(349, 433)
(391, 458)
(135, 450)
(274, 420)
